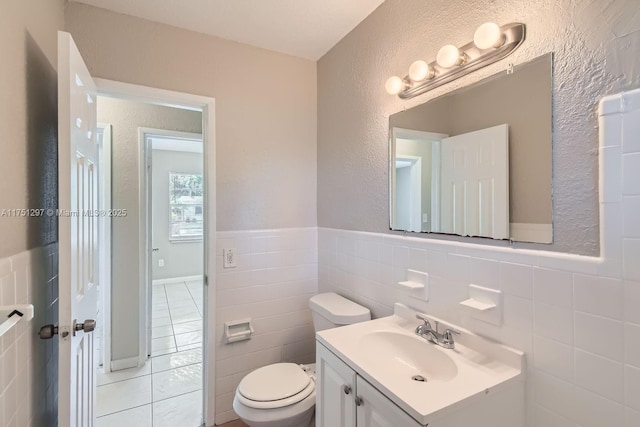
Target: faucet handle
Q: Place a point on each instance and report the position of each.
(424, 319)
(447, 335)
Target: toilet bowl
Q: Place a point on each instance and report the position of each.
(278, 395)
(284, 394)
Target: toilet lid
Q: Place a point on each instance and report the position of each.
(274, 382)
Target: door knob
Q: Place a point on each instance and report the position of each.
(48, 331)
(359, 401)
(88, 326)
(346, 389)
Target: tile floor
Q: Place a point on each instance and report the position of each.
(167, 391)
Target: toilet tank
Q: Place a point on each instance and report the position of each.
(331, 310)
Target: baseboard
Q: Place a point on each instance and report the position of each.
(129, 362)
(176, 280)
(538, 233)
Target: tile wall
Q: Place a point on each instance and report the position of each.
(29, 365)
(276, 274)
(577, 318)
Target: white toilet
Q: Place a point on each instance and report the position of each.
(284, 394)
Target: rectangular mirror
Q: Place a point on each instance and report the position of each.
(477, 161)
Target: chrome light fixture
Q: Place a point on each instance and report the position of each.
(491, 43)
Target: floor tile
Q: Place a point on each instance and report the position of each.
(188, 338)
(190, 347)
(156, 353)
(124, 374)
(161, 321)
(181, 303)
(161, 331)
(187, 317)
(138, 417)
(155, 314)
(182, 411)
(162, 343)
(195, 288)
(176, 360)
(177, 381)
(183, 328)
(184, 310)
(123, 395)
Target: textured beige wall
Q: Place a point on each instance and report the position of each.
(265, 108)
(126, 117)
(595, 44)
(29, 120)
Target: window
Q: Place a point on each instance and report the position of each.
(185, 194)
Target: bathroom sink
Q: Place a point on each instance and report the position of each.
(429, 382)
(408, 356)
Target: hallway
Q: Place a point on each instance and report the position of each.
(167, 391)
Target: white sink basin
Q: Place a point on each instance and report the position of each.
(388, 354)
(407, 356)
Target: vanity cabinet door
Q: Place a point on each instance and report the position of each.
(335, 391)
(376, 410)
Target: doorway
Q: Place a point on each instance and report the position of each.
(153, 376)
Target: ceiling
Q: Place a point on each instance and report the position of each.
(303, 28)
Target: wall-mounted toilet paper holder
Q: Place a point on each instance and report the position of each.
(238, 330)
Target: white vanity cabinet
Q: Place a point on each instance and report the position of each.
(345, 399)
(335, 391)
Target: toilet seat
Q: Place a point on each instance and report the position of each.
(275, 386)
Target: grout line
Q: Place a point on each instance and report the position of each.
(178, 395)
(128, 409)
(126, 379)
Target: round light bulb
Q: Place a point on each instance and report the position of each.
(449, 56)
(394, 85)
(488, 35)
(420, 71)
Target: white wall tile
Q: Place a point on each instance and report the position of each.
(554, 358)
(600, 375)
(518, 313)
(592, 331)
(631, 132)
(599, 296)
(546, 418)
(24, 372)
(632, 344)
(631, 417)
(485, 272)
(553, 322)
(277, 273)
(631, 174)
(593, 410)
(516, 279)
(632, 301)
(553, 287)
(554, 394)
(631, 265)
(631, 216)
(632, 387)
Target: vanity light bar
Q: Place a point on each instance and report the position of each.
(491, 43)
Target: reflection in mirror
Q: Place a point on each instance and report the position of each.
(477, 161)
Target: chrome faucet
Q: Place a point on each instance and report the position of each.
(427, 332)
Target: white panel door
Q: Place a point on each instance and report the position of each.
(475, 183)
(78, 245)
(376, 410)
(335, 391)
